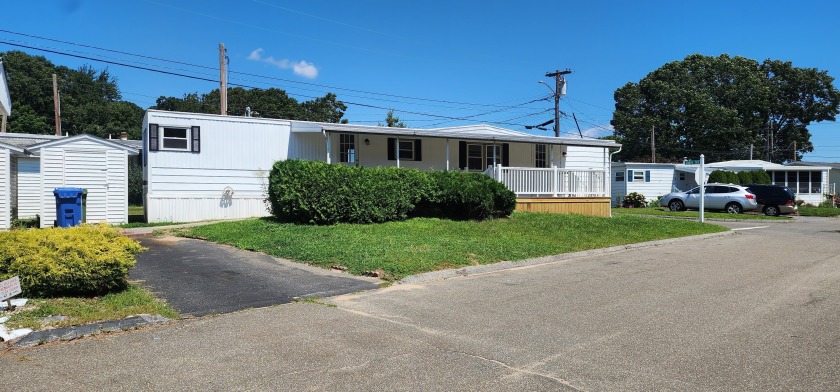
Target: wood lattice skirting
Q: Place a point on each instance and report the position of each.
(594, 206)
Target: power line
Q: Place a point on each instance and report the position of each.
(248, 74)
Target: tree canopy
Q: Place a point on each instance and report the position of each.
(393, 121)
(90, 99)
(268, 103)
(719, 106)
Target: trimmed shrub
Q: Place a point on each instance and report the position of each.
(312, 192)
(79, 261)
(761, 177)
(718, 176)
(634, 200)
(732, 177)
(745, 177)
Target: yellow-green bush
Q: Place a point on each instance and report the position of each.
(83, 260)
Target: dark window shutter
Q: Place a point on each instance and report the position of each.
(462, 155)
(629, 176)
(392, 153)
(418, 156)
(154, 143)
(647, 175)
(506, 154)
(196, 139)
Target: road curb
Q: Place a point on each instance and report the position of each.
(505, 265)
(78, 331)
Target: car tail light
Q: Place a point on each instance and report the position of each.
(750, 196)
(789, 203)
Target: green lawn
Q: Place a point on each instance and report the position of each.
(424, 244)
(819, 211)
(136, 218)
(132, 301)
(692, 214)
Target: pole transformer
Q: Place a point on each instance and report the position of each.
(559, 90)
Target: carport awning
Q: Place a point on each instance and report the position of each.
(693, 169)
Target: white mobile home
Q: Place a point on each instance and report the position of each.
(809, 183)
(37, 164)
(203, 166)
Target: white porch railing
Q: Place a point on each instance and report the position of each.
(553, 181)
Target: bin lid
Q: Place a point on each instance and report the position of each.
(66, 193)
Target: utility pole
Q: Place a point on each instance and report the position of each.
(653, 144)
(770, 149)
(223, 78)
(57, 105)
(751, 151)
(794, 151)
(3, 127)
(559, 89)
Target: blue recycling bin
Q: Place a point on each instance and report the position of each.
(68, 206)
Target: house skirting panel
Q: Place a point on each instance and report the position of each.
(593, 206)
(199, 208)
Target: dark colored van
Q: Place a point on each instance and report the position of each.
(773, 200)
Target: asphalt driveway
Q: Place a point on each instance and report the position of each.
(200, 278)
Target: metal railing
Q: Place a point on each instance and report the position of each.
(552, 181)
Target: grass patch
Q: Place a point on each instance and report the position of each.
(819, 211)
(662, 211)
(144, 224)
(132, 301)
(427, 244)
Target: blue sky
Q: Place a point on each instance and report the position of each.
(461, 59)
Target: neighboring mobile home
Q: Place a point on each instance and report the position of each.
(652, 180)
(37, 164)
(204, 166)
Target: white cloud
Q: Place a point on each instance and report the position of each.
(300, 68)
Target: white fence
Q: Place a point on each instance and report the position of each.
(553, 181)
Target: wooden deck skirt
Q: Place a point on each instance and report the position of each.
(594, 206)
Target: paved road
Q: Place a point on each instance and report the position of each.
(200, 278)
(758, 310)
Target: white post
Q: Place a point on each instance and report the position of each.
(494, 153)
(551, 154)
(498, 172)
(555, 186)
(329, 147)
(447, 154)
(397, 150)
(702, 186)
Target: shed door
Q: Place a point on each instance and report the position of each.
(87, 169)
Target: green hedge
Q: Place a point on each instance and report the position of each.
(312, 192)
(79, 261)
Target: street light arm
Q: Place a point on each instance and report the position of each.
(546, 85)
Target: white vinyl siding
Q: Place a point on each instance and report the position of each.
(28, 187)
(5, 189)
(117, 187)
(581, 157)
(236, 154)
(651, 181)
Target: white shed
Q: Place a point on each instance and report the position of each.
(88, 162)
(7, 189)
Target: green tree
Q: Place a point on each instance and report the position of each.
(717, 176)
(90, 99)
(745, 177)
(393, 121)
(718, 106)
(267, 103)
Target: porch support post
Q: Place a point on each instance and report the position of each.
(329, 147)
(397, 150)
(555, 179)
(551, 155)
(447, 154)
(499, 172)
(494, 153)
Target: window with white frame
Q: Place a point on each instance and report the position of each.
(638, 175)
(406, 150)
(619, 176)
(541, 157)
(175, 138)
(474, 157)
(347, 148)
(493, 153)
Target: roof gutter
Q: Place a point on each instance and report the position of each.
(609, 175)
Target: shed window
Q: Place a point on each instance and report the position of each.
(682, 176)
(175, 139)
(619, 176)
(347, 148)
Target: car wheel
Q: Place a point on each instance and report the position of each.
(676, 205)
(734, 208)
(771, 211)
